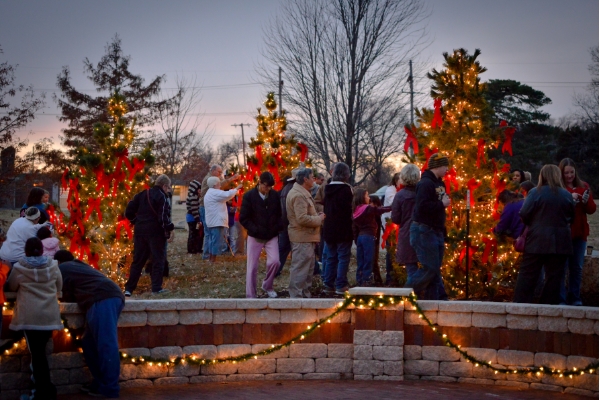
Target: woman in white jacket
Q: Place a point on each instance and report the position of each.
(217, 219)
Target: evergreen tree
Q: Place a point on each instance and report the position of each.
(100, 186)
(514, 102)
(463, 129)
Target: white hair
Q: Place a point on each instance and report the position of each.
(212, 181)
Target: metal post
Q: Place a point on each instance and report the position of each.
(412, 94)
(243, 140)
(468, 240)
(280, 90)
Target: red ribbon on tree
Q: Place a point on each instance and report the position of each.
(472, 185)
(82, 170)
(303, 151)
(428, 153)
(259, 156)
(94, 204)
(275, 172)
(450, 180)
(390, 227)
(505, 168)
(480, 152)
(508, 133)
(278, 156)
(124, 225)
(138, 166)
(437, 114)
(93, 260)
(64, 180)
(103, 179)
(410, 138)
(491, 246)
(463, 252)
(73, 199)
(121, 157)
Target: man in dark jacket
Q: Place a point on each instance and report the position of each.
(428, 229)
(261, 216)
(337, 230)
(102, 302)
(285, 247)
(150, 212)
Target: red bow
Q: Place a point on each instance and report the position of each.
(505, 168)
(451, 181)
(121, 157)
(82, 170)
(437, 114)
(410, 138)
(73, 197)
(259, 156)
(480, 152)
(275, 172)
(390, 227)
(491, 246)
(138, 166)
(64, 180)
(463, 252)
(102, 178)
(509, 133)
(125, 225)
(94, 204)
(472, 185)
(428, 153)
(93, 259)
(280, 159)
(303, 151)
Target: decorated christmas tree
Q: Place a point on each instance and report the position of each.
(461, 127)
(99, 189)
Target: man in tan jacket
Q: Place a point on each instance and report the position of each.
(304, 231)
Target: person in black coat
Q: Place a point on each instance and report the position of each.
(285, 247)
(337, 230)
(547, 213)
(261, 217)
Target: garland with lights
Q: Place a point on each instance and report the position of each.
(360, 302)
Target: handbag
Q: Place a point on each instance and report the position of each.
(167, 233)
(519, 244)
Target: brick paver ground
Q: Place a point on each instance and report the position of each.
(312, 390)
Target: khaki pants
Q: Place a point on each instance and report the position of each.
(301, 270)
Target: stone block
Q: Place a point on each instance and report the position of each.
(195, 317)
(521, 308)
(207, 351)
(421, 367)
(128, 372)
(219, 369)
(342, 318)
(136, 383)
(229, 316)
(488, 307)
(393, 338)
(66, 360)
(425, 305)
(582, 326)
(547, 310)
(552, 324)
(281, 353)
(456, 306)
(412, 352)
(388, 353)
(285, 304)
(529, 377)
(308, 350)
(320, 304)
(456, 319)
(412, 317)
(147, 371)
(373, 338)
(298, 316)
(283, 377)
(172, 380)
(184, 369)
(388, 378)
(522, 385)
(573, 312)
(322, 376)
(340, 350)
(487, 373)
(134, 305)
(80, 375)
(252, 304)
(517, 321)
(207, 378)
(70, 308)
(68, 389)
(334, 365)
(591, 312)
(579, 362)
(542, 386)
(411, 377)
(363, 352)
(190, 304)
(367, 367)
(359, 377)
(74, 321)
(443, 379)
(166, 352)
(161, 305)
(439, 353)
(10, 364)
(245, 377)
(556, 380)
(586, 381)
(481, 320)
(476, 381)
(394, 368)
(581, 392)
(233, 350)
(263, 316)
(59, 376)
(220, 304)
(135, 352)
(295, 365)
(137, 318)
(457, 369)
(258, 366)
(15, 380)
(550, 360)
(485, 355)
(515, 357)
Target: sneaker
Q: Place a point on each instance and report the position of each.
(342, 290)
(577, 303)
(162, 291)
(328, 290)
(127, 293)
(271, 293)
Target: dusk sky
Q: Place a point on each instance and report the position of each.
(542, 43)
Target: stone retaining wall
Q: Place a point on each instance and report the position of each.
(391, 343)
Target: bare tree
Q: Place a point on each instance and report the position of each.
(229, 152)
(180, 120)
(345, 65)
(587, 102)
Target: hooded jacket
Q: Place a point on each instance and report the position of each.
(429, 209)
(337, 226)
(51, 246)
(261, 218)
(38, 283)
(365, 220)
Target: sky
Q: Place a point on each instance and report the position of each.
(542, 43)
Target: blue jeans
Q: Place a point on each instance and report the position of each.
(574, 268)
(100, 345)
(429, 246)
(335, 270)
(206, 241)
(215, 243)
(365, 249)
(285, 247)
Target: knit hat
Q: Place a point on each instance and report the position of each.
(32, 213)
(437, 160)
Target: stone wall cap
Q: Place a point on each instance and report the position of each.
(190, 304)
(320, 304)
(376, 291)
(252, 304)
(220, 304)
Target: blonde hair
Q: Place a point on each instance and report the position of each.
(550, 176)
(410, 175)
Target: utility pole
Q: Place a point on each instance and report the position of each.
(243, 140)
(280, 90)
(412, 94)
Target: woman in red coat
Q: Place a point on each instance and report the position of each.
(580, 229)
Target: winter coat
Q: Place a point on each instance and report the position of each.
(580, 229)
(261, 218)
(337, 226)
(429, 209)
(320, 197)
(510, 223)
(192, 202)
(43, 213)
(215, 205)
(282, 198)
(305, 224)
(365, 218)
(153, 217)
(38, 283)
(547, 215)
(402, 210)
(13, 249)
(51, 246)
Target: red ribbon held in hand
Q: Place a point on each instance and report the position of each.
(389, 228)
(410, 138)
(303, 151)
(437, 114)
